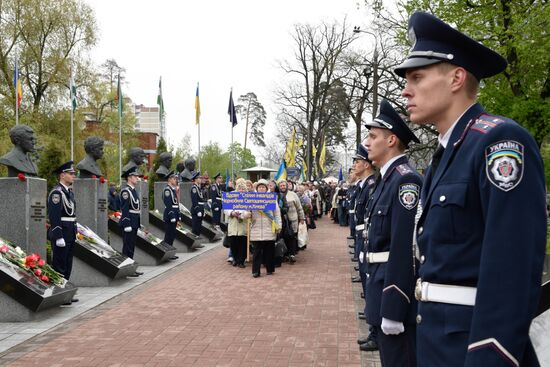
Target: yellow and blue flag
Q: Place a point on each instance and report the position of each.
(197, 106)
(17, 85)
(281, 173)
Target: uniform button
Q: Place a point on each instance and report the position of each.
(442, 198)
(420, 230)
(418, 319)
(422, 259)
(368, 276)
(379, 212)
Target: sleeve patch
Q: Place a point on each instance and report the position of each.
(56, 198)
(504, 164)
(166, 193)
(194, 190)
(125, 195)
(408, 195)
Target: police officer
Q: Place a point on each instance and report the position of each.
(481, 228)
(62, 217)
(351, 203)
(171, 209)
(364, 172)
(197, 204)
(390, 304)
(130, 208)
(216, 197)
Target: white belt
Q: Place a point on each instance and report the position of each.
(135, 212)
(360, 227)
(68, 219)
(175, 206)
(352, 211)
(445, 293)
(201, 203)
(377, 257)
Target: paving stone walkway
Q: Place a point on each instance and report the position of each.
(205, 312)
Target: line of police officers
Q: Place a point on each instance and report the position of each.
(450, 263)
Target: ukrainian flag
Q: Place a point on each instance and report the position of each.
(281, 173)
(197, 106)
(17, 85)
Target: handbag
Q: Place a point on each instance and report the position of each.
(280, 248)
(226, 241)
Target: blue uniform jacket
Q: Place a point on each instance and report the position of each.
(61, 213)
(171, 205)
(216, 197)
(130, 208)
(197, 201)
(484, 224)
(361, 201)
(390, 218)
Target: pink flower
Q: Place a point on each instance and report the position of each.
(4, 249)
(41, 263)
(94, 177)
(37, 272)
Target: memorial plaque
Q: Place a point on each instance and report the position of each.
(159, 197)
(183, 235)
(185, 194)
(24, 207)
(142, 188)
(102, 210)
(207, 229)
(149, 250)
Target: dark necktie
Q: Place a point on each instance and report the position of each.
(437, 158)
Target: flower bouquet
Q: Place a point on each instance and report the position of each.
(86, 236)
(148, 236)
(32, 264)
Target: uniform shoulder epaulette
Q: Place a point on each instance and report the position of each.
(403, 169)
(485, 123)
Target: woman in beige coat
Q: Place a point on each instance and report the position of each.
(236, 231)
(263, 232)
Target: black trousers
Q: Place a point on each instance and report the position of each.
(129, 243)
(263, 251)
(170, 232)
(238, 248)
(196, 224)
(291, 243)
(397, 350)
(62, 258)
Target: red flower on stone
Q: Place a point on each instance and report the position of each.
(145, 178)
(94, 177)
(44, 278)
(4, 249)
(41, 262)
(21, 177)
(37, 272)
(102, 179)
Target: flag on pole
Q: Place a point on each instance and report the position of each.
(160, 101)
(231, 110)
(119, 98)
(304, 166)
(17, 85)
(226, 178)
(72, 87)
(197, 106)
(340, 175)
(281, 173)
(323, 157)
(291, 149)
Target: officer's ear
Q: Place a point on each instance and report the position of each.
(392, 140)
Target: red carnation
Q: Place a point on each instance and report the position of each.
(102, 179)
(44, 278)
(145, 178)
(21, 177)
(4, 249)
(41, 262)
(37, 272)
(94, 177)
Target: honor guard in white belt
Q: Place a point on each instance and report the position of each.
(171, 208)
(216, 197)
(389, 295)
(481, 227)
(130, 212)
(197, 204)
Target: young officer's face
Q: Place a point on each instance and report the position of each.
(428, 93)
(377, 145)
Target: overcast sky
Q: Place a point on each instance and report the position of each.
(219, 43)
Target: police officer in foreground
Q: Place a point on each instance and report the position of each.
(197, 204)
(130, 212)
(171, 209)
(364, 173)
(61, 214)
(216, 197)
(481, 229)
(389, 293)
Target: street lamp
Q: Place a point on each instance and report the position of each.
(367, 72)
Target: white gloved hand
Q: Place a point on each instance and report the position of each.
(173, 220)
(127, 229)
(60, 242)
(199, 214)
(390, 327)
(361, 257)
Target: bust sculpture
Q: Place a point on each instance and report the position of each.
(165, 160)
(187, 174)
(137, 158)
(88, 167)
(18, 160)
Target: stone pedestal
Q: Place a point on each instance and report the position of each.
(23, 296)
(91, 204)
(185, 194)
(158, 194)
(142, 188)
(23, 213)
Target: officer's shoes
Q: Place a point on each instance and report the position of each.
(74, 300)
(349, 237)
(356, 279)
(173, 258)
(369, 346)
(355, 259)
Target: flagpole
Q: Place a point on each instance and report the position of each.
(119, 93)
(232, 150)
(72, 113)
(16, 79)
(199, 157)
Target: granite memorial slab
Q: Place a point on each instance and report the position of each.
(23, 206)
(185, 241)
(91, 204)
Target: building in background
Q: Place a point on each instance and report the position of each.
(148, 121)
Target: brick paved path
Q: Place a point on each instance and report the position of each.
(207, 313)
